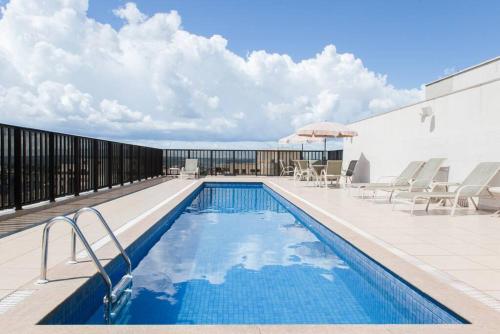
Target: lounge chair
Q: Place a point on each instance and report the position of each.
(190, 169)
(332, 171)
(349, 172)
(474, 185)
(422, 182)
(407, 175)
(286, 170)
(301, 171)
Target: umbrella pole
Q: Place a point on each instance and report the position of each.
(324, 156)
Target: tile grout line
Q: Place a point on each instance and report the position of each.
(444, 277)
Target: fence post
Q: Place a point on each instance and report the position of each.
(256, 155)
(52, 168)
(18, 197)
(146, 164)
(150, 162)
(166, 162)
(122, 164)
(76, 162)
(95, 160)
(138, 163)
(234, 162)
(154, 163)
(110, 164)
(160, 162)
(130, 163)
(146, 158)
(278, 172)
(211, 162)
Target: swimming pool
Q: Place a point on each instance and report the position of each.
(239, 253)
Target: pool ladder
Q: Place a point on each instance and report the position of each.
(113, 300)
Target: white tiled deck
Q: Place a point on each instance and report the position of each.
(461, 252)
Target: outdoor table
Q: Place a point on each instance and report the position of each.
(495, 192)
(318, 168)
(174, 171)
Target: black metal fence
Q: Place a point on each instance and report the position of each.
(240, 162)
(37, 165)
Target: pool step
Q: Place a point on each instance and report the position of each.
(119, 297)
(121, 287)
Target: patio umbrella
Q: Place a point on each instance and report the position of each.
(325, 130)
(296, 139)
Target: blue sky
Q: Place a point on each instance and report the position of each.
(413, 42)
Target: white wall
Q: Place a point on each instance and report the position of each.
(465, 129)
(478, 74)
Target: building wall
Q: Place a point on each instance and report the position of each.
(464, 128)
(478, 74)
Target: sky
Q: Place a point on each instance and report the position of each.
(177, 73)
(413, 41)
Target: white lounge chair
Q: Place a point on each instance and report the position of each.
(301, 171)
(190, 169)
(332, 171)
(474, 185)
(407, 175)
(422, 182)
(286, 170)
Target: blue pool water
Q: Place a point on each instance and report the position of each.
(241, 254)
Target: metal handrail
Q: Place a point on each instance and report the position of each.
(108, 229)
(77, 231)
(112, 295)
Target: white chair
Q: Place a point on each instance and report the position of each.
(286, 170)
(332, 171)
(424, 180)
(301, 171)
(474, 185)
(190, 169)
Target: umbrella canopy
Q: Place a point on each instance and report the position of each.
(326, 130)
(296, 139)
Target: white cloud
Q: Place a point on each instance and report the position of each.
(131, 13)
(154, 81)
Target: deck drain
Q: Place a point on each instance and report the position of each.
(13, 299)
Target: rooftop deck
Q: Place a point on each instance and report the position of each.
(454, 259)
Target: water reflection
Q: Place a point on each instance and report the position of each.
(203, 244)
